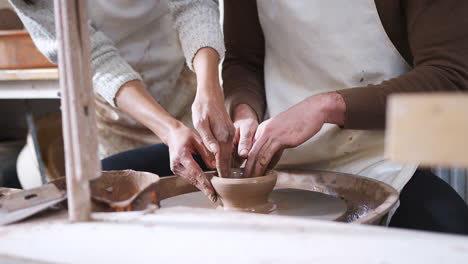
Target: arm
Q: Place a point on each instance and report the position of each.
(438, 41)
(117, 82)
(245, 53)
(197, 22)
(182, 141)
(243, 70)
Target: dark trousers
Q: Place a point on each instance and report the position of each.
(429, 203)
(426, 202)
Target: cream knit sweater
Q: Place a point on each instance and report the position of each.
(196, 22)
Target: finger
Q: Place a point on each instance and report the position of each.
(253, 155)
(223, 160)
(235, 140)
(236, 161)
(264, 156)
(224, 133)
(206, 155)
(204, 129)
(194, 174)
(245, 140)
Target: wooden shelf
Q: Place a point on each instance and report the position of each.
(29, 84)
(29, 74)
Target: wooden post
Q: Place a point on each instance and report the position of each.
(78, 110)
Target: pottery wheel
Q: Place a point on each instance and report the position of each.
(290, 202)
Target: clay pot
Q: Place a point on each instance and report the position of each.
(245, 194)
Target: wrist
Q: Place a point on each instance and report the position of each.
(206, 67)
(209, 89)
(333, 108)
(166, 128)
(209, 92)
(244, 111)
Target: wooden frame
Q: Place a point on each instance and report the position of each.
(78, 110)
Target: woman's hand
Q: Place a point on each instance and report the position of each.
(291, 128)
(183, 144)
(209, 115)
(134, 99)
(215, 127)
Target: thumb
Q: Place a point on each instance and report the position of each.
(246, 134)
(208, 138)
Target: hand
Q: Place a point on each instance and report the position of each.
(246, 123)
(209, 115)
(291, 128)
(183, 143)
(214, 125)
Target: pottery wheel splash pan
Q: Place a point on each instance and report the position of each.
(367, 200)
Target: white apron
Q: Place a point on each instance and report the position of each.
(145, 36)
(317, 46)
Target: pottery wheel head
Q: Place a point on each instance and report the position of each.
(246, 194)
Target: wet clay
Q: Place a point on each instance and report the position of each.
(245, 194)
(289, 202)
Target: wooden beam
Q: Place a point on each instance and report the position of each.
(429, 129)
(78, 110)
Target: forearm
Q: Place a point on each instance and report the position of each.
(331, 107)
(243, 75)
(438, 44)
(134, 99)
(366, 106)
(243, 86)
(206, 65)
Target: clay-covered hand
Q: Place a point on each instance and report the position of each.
(209, 115)
(215, 128)
(291, 128)
(246, 123)
(183, 143)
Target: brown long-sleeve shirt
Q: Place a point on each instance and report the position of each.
(432, 35)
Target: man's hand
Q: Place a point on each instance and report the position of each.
(209, 115)
(246, 123)
(291, 128)
(183, 143)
